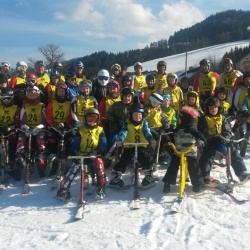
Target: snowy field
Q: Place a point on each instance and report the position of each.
(208, 220)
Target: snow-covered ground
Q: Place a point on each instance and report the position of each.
(209, 220)
(176, 63)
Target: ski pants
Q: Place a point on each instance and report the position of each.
(193, 169)
(208, 154)
(128, 154)
(95, 166)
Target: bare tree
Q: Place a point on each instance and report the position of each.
(52, 53)
(31, 62)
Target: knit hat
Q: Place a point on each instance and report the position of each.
(188, 115)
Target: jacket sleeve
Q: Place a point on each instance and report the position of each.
(146, 131)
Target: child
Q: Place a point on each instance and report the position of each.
(184, 85)
(83, 101)
(221, 94)
(135, 130)
(32, 115)
(185, 135)
(89, 140)
(158, 124)
(213, 124)
(168, 111)
(175, 92)
(193, 102)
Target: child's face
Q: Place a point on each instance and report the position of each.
(85, 90)
(92, 120)
(221, 96)
(184, 85)
(171, 82)
(191, 100)
(151, 83)
(137, 116)
(213, 110)
(166, 103)
(126, 99)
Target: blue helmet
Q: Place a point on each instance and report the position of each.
(78, 64)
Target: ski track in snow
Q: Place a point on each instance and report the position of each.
(208, 220)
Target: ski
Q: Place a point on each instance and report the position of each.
(80, 211)
(176, 207)
(136, 204)
(234, 198)
(26, 189)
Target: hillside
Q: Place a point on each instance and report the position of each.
(223, 27)
(176, 63)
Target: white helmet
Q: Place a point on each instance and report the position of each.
(103, 77)
(21, 65)
(138, 64)
(155, 99)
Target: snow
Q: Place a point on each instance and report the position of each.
(208, 220)
(176, 63)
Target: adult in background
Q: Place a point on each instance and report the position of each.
(228, 78)
(205, 81)
(42, 77)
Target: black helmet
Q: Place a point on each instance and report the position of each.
(211, 101)
(136, 107)
(56, 65)
(7, 94)
(185, 79)
(161, 63)
(150, 77)
(205, 61)
(127, 91)
(220, 90)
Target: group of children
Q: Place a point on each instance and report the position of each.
(142, 110)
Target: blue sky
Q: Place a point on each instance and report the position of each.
(81, 27)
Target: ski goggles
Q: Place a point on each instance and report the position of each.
(171, 78)
(31, 81)
(19, 68)
(103, 78)
(6, 98)
(166, 97)
(39, 63)
(7, 64)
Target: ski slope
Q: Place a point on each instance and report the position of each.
(176, 63)
(208, 220)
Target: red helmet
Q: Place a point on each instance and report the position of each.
(31, 79)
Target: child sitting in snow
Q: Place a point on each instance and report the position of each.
(185, 135)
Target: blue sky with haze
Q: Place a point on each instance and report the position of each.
(86, 26)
